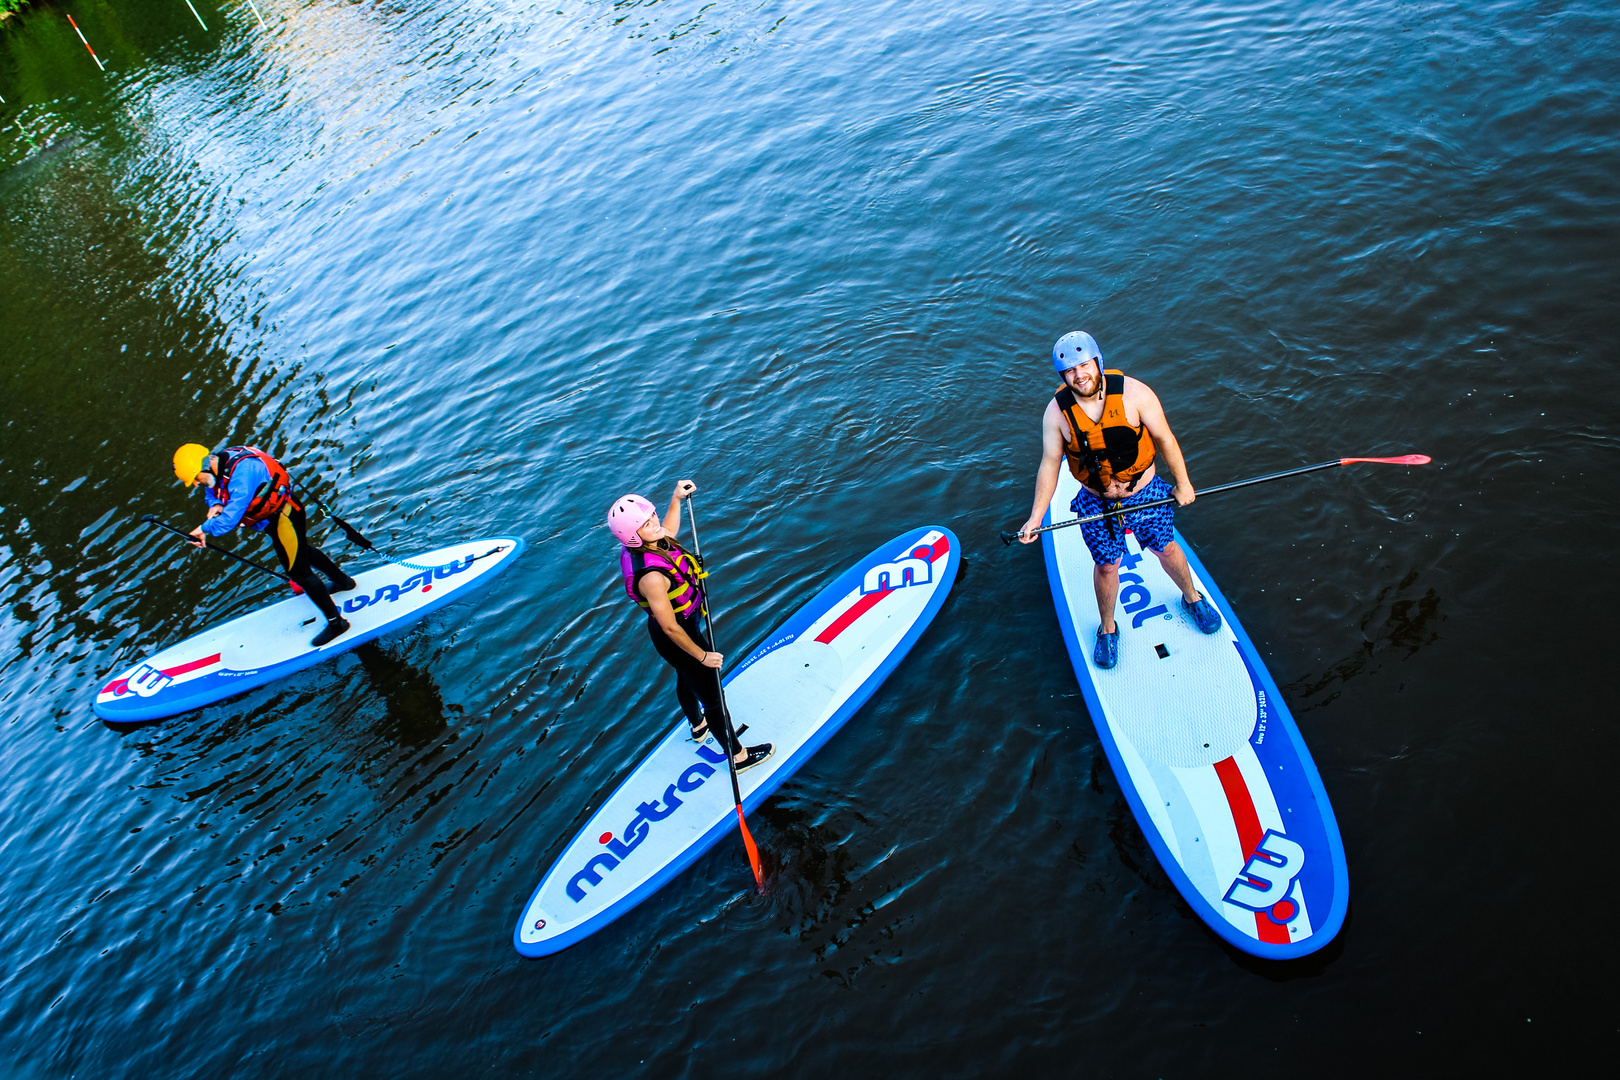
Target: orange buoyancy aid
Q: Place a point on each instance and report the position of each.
(680, 566)
(270, 498)
(1111, 448)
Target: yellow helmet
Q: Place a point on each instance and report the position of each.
(189, 461)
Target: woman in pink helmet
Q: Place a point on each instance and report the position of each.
(667, 582)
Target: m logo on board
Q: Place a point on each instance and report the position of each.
(916, 569)
(148, 680)
(1268, 875)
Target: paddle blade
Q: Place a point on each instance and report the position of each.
(752, 849)
(351, 532)
(1409, 459)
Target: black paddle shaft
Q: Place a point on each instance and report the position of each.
(708, 612)
(1009, 537)
(187, 537)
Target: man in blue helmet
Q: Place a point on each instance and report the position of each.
(1110, 428)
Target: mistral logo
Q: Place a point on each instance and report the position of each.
(1268, 877)
(1134, 595)
(423, 580)
(640, 827)
(916, 569)
(147, 680)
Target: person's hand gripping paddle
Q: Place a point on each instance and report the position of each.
(1009, 537)
(725, 716)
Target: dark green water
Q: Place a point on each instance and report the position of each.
(481, 268)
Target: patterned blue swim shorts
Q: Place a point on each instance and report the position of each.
(1154, 527)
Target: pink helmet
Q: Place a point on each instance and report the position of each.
(627, 516)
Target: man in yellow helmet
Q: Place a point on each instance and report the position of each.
(243, 485)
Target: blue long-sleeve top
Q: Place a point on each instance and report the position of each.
(249, 476)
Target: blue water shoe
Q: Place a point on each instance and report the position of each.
(1204, 615)
(1105, 654)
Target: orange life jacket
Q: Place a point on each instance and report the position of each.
(1102, 451)
(269, 499)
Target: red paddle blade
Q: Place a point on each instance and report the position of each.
(1409, 459)
(752, 849)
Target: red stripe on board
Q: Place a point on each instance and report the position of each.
(1270, 932)
(865, 603)
(1249, 834)
(1237, 797)
(193, 666)
(856, 610)
(118, 686)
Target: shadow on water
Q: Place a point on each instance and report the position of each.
(828, 895)
(1396, 624)
(414, 711)
(808, 869)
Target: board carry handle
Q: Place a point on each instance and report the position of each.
(1405, 459)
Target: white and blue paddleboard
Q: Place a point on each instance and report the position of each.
(273, 642)
(795, 691)
(1206, 752)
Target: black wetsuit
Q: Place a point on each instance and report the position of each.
(695, 684)
(305, 559)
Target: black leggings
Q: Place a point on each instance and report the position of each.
(694, 683)
(288, 531)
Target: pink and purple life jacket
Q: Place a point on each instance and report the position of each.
(678, 565)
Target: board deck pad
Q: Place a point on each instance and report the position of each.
(795, 690)
(1203, 746)
(274, 641)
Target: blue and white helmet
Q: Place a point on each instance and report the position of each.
(1074, 349)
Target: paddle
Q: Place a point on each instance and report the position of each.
(150, 520)
(354, 534)
(725, 717)
(1409, 459)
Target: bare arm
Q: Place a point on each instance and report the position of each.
(656, 589)
(672, 516)
(1152, 416)
(1046, 477)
